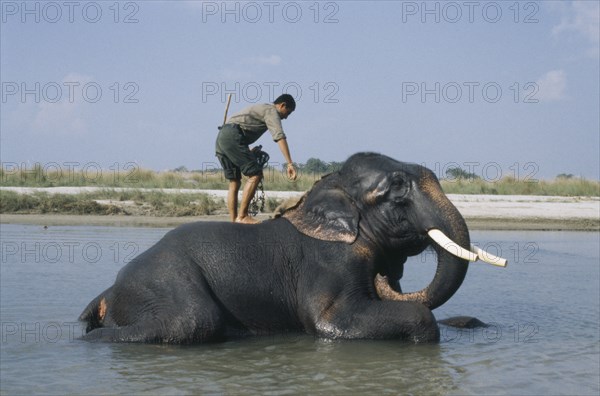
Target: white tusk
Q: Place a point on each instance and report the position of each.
(488, 257)
(452, 247)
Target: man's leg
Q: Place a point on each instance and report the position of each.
(237, 160)
(232, 198)
(233, 174)
(247, 195)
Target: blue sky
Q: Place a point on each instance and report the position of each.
(498, 88)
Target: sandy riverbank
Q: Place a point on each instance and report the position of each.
(489, 212)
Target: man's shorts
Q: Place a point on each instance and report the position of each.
(234, 154)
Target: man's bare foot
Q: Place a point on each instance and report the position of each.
(247, 220)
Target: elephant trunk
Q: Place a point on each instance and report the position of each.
(451, 270)
(434, 211)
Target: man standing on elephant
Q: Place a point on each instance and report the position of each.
(241, 130)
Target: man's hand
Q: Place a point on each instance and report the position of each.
(291, 172)
(285, 150)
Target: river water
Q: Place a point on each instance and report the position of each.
(543, 311)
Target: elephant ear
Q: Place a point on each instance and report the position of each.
(326, 212)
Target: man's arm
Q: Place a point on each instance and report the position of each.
(285, 150)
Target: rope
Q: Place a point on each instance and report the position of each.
(257, 204)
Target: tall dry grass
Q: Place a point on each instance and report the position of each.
(276, 180)
(511, 186)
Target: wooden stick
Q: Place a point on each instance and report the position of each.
(227, 108)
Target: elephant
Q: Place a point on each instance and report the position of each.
(329, 266)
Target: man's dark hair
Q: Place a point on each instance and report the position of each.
(289, 101)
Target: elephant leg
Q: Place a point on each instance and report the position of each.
(157, 331)
(196, 319)
(380, 320)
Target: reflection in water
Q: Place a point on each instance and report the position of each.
(294, 363)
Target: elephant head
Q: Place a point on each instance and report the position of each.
(394, 209)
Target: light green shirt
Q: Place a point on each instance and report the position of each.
(256, 120)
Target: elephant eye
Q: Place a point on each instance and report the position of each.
(398, 182)
(399, 189)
